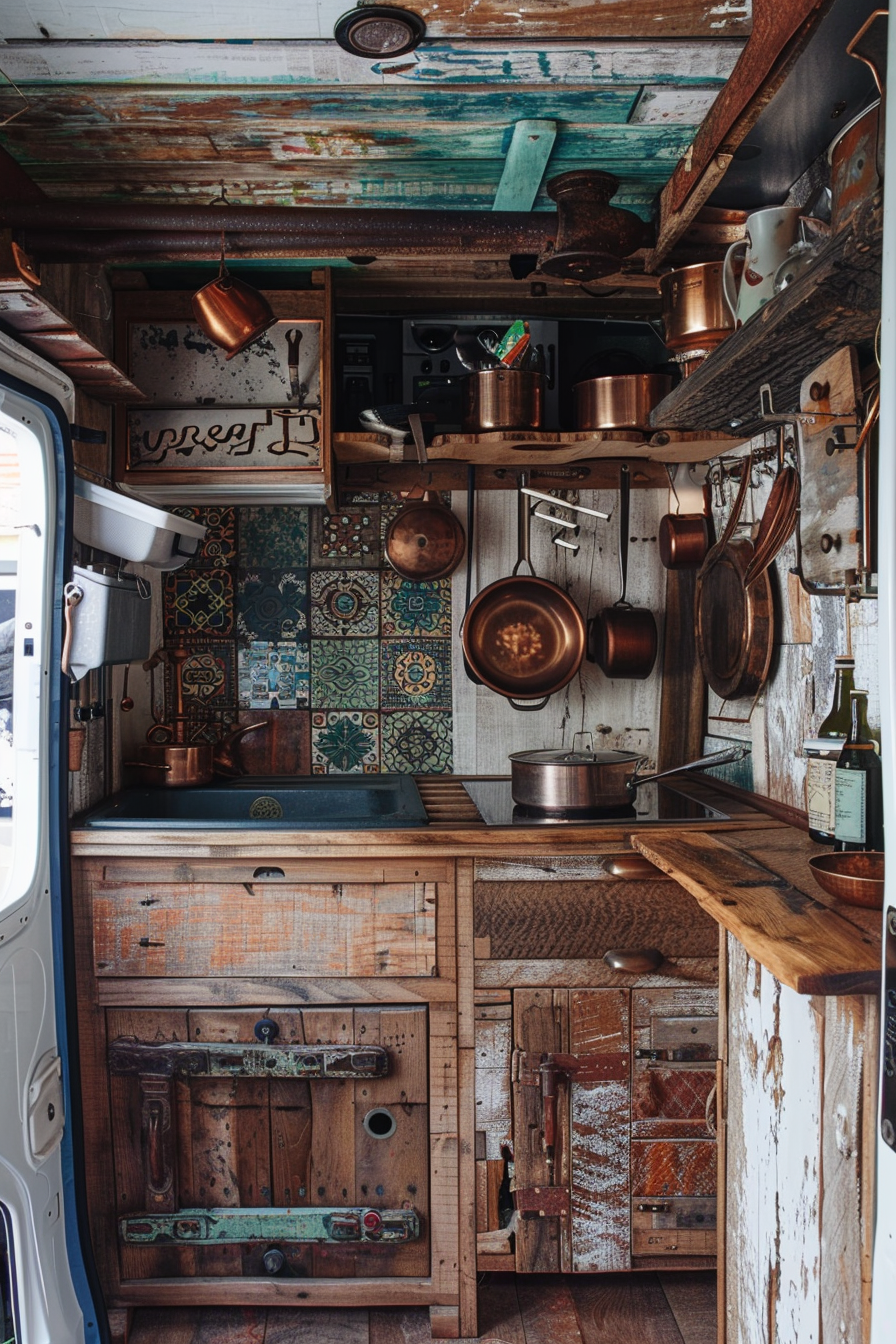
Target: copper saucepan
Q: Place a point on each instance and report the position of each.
(524, 637)
(424, 541)
(620, 402)
(622, 640)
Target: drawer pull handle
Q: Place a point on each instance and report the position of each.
(147, 942)
(634, 866)
(265, 874)
(634, 961)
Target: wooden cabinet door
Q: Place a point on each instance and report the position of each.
(273, 1142)
(630, 1178)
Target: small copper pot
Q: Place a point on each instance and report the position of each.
(503, 399)
(683, 540)
(695, 314)
(622, 402)
(175, 766)
(425, 541)
(623, 639)
(231, 313)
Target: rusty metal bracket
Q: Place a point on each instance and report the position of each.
(542, 1201)
(183, 1059)
(528, 1069)
(214, 1227)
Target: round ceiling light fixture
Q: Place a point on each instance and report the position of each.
(379, 30)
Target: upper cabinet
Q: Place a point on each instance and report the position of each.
(250, 428)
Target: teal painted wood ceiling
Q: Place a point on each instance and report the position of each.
(290, 123)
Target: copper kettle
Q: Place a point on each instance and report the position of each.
(230, 312)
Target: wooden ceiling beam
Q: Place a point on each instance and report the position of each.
(781, 32)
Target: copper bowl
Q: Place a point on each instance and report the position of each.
(856, 877)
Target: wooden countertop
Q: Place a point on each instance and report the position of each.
(757, 885)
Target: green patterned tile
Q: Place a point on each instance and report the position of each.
(276, 538)
(345, 742)
(345, 674)
(415, 742)
(409, 608)
(415, 673)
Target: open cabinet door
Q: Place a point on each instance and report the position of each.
(48, 1300)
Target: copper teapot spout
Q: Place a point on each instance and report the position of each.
(225, 759)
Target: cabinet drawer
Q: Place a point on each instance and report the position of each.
(352, 929)
(553, 920)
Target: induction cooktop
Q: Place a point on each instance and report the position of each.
(657, 803)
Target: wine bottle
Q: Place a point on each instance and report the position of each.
(823, 753)
(859, 806)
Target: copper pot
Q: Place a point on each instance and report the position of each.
(623, 402)
(683, 540)
(175, 766)
(503, 399)
(853, 159)
(695, 314)
(622, 640)
(231, 313)
(425, 541)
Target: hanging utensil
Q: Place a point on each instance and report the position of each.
(425, 541)
(622, 640)
(778, 517)
(126, 704)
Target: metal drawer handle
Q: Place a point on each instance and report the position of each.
(265, 874)
(634, 866)
(635, 960)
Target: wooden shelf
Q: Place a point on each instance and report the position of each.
(539, 448)
(42, 328)
(835, 303)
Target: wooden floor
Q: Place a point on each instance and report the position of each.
(524, 1309)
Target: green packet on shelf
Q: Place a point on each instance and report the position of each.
(513, 342)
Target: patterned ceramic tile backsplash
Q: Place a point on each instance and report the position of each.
(293, 614)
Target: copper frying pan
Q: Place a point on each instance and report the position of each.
(524, 637)
(424, 541)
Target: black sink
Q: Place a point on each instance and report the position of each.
(304, 803)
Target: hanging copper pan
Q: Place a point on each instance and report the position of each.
(735, 620)
(622, 640)
(425, 541)
(524, 637)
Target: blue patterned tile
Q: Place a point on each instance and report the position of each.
(415, 673)
(273, 676)
(272, 605)
(345, 674)
(415, 742)
(345, 603)
(345, 742)
(410, 608)
(274, 538)
(198, 602)
(349, 539)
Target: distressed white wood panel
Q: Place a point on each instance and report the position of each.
(203, 19)
(773, 1159)
(621, 714)
(494, 1045)
(850, 1061)
(668, 105)
(788, 715)
(282, 62)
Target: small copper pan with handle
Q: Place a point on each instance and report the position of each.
(622, 640)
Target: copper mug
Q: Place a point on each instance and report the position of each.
(231, 313)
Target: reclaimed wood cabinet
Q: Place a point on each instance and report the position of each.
(262, 1040)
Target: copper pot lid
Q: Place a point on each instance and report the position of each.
(425, 541)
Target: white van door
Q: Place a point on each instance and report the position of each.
(46, 1299)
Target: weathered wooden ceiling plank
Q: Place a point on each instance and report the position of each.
(524, 165)
(781, 31)
(632, 151)
(320, 64)
(76, 106)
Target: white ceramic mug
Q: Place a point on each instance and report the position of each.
(770, 234)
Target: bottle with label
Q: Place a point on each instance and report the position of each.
(823, 751)
(859, 804)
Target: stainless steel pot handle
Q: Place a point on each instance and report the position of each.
(715, 758)
(147, 765)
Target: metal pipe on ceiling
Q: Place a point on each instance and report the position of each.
(333, 232)
(61, 245)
